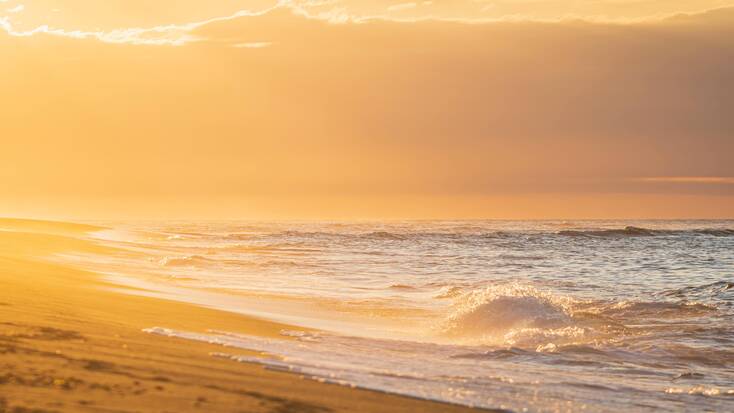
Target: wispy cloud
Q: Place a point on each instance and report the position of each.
(165, 35)
(170, 35)
(181, 34)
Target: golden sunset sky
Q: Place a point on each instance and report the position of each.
(367, 109)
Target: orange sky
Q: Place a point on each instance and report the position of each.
(357, 109)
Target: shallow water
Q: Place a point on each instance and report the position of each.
(521, 315)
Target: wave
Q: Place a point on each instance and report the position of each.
(449, 292)
(715, 232)
(701, 391)
(374, 235)
(188, 261)
(276, 248)
(522, 316)
(647, 310)
(626, 232)
(519, 257)
(403, 287)
(329, 236)
(631, 231)
(384, 235)
(468, 237)
(238, 237)
(712, 290)
(511, 314)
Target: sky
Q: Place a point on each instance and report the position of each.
(356, 109)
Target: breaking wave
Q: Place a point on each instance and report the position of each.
(512, 314)
(523, 316)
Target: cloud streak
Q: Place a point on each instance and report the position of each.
(181, 34)
(168, 35)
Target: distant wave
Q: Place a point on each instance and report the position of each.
(385, 235)
(377, 236)
(719, 289)
(188, 261)
(402, 287)
(276, 248)
(646, 232)
(469, 237)
(518, 257)
(238, 237)
(715, 232)
(626, 232)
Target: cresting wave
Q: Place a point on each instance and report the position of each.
(498, 315)
(520, 315)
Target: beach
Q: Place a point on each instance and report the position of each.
(70, 343)
(518, 206)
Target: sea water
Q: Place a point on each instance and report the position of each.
(536, 316)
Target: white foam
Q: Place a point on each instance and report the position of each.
(421, 370)
(511, 314)
(466, 375)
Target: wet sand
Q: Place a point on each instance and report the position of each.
(69, 343)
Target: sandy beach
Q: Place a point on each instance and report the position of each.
(309, 206)
(68, 343)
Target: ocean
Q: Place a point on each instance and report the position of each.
(525, 316)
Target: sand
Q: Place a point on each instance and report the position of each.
(68, 343)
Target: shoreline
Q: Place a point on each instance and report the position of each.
(69, 342)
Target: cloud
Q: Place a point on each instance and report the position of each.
(333, 11)
(171, 35)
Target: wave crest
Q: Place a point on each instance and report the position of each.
(626, 232)
(631, 231)
(188, 261)
(637, 310)
(718, 289)
(507, 314)
(522, 316)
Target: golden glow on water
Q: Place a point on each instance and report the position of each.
(527, 315)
